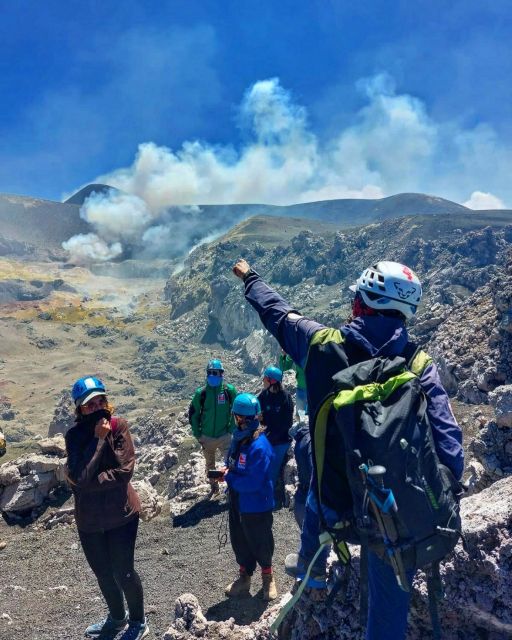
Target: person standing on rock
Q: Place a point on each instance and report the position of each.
(385, 296)
(210, 416)
(100, 464)
(277, 415)
(251, 499)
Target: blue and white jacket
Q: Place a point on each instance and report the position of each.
(248, 476)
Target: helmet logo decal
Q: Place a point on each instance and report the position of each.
(408, 273)
(404, 291)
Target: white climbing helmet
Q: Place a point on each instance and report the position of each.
(390, 285)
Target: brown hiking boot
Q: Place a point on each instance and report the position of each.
(269, 591)
(240, 587)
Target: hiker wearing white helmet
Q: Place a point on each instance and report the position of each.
(346, 370)
(389, 286)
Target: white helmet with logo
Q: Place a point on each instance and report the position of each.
(390, 286)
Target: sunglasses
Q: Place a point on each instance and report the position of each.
(215, 372)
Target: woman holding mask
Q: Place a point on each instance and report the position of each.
(100, 464)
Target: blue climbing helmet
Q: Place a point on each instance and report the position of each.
(245, 404)
(87, 388)
(274, 374)
(214, 365)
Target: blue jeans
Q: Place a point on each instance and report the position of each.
(310, 531)
(388, 605)
(299, 506)
(277, 460)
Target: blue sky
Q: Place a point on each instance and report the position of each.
(257, 101)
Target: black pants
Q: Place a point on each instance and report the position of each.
(110, 556)
(251, 537)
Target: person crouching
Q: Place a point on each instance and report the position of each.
(250, 499)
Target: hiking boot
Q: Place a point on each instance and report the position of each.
(269, 591)
(296, 566)
(136, 630)
(239, 587)
(105, 627)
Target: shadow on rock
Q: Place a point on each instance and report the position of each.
(242, 610)
(199, 511)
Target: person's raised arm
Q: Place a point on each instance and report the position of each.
(292, 330)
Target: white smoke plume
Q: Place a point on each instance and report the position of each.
(116, 215)
(392, 146)
(87, 247)
(481, 200)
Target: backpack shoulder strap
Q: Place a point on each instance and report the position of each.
(417, 359)
(202, 400)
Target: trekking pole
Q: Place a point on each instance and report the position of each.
(384, 506)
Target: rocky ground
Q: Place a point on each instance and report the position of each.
(47, 591)
(150, 345)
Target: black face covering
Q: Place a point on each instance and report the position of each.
(89, 421)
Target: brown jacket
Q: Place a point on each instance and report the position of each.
(100, 473)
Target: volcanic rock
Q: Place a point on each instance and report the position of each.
(27, 481)
(501, 400)
(150, 501)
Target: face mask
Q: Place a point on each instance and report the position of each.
(91, 419)
(214, 381)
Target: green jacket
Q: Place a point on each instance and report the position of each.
(286, 363)
(214, 418)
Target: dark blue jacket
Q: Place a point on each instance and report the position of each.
(249, 476)
(366, 337)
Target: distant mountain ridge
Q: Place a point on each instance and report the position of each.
(357, 211)
(46, 224)
(43, 223)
